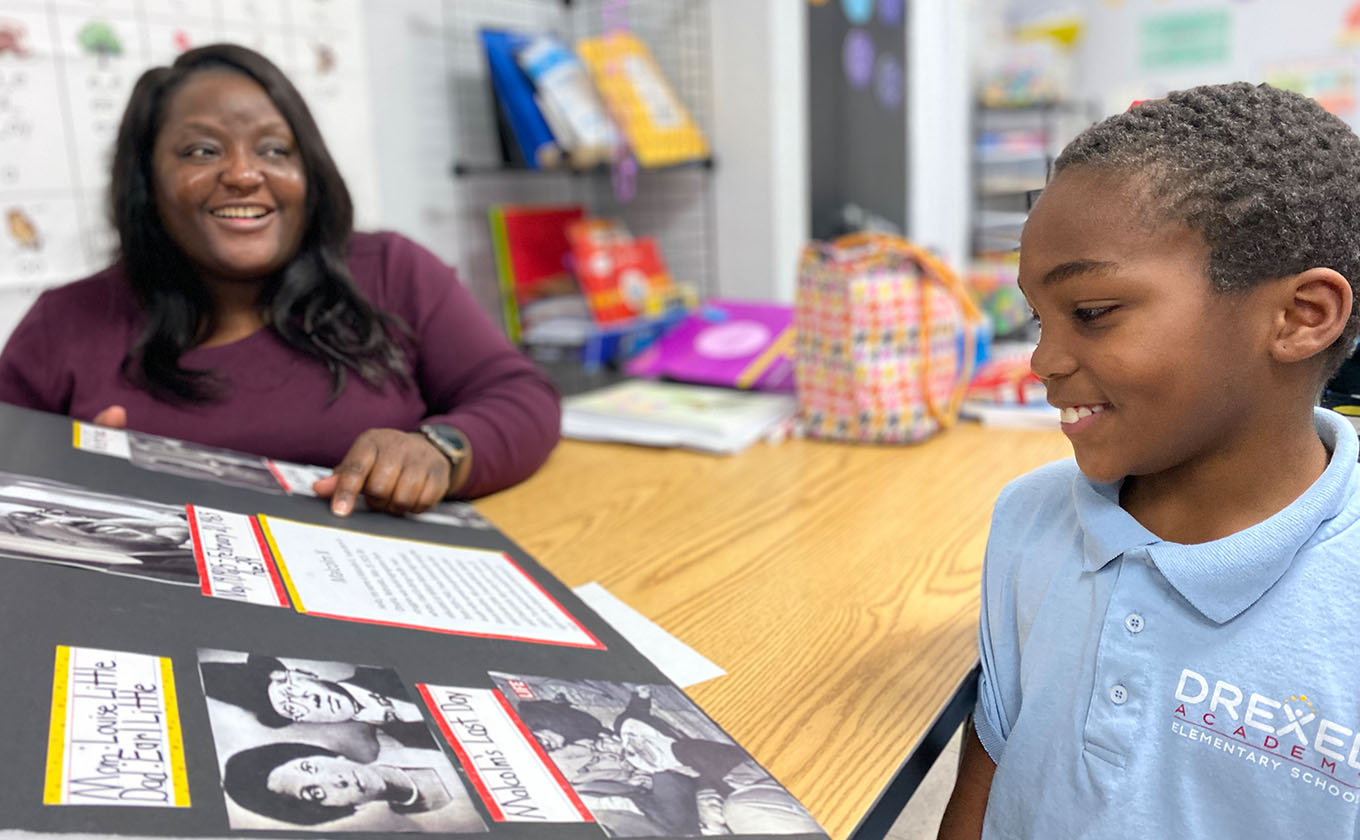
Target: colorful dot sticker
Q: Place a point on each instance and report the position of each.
(857, 57)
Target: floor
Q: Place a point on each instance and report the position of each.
(921, 818)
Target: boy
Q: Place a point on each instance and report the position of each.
(1168, 625)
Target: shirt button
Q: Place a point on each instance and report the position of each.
(1118, 694)
(1133, 622)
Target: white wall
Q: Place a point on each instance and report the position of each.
(760, 144)
(939, 96)
(1263, 38)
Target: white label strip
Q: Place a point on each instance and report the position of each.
(233, 558)
(114, 737)
(297, 479)
(516, 781)
(101, 439)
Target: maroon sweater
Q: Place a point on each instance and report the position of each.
(64, 357)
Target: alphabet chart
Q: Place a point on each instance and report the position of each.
(67, 68)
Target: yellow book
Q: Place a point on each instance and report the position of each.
(655, 121)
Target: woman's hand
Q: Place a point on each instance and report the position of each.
(397, 472)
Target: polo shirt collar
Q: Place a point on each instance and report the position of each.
(1223, 577)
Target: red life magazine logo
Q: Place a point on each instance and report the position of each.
(521, 689)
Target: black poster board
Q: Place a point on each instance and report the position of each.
(856, 52)
(44, 605)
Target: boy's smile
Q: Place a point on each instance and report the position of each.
(1152, 369)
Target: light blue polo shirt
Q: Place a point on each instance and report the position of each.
(1137, 688)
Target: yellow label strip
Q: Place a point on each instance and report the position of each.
(179, 772)
(278, 561)
(56, 732)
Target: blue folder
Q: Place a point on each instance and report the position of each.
(515, 96)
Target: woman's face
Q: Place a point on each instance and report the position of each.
(229, 182)
(327, 780)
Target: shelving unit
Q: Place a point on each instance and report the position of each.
(674, 204)
(1013, 153)
(1013, 150)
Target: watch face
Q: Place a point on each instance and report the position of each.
(449, 440)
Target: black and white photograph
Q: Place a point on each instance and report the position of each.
(648, 763)
(54, 522)
(193, 460)
(327, 747)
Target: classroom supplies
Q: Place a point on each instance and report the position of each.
(539, 295)
(622, 277)
(716, 420)
(514, 95)
(656, 123)
(736, 344)
(568, 101)
(886, 340)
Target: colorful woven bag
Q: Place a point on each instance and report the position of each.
(885, 337)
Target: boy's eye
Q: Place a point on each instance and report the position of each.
(1088, 314)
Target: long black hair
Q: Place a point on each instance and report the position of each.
(312, 303)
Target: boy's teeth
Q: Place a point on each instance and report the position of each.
(1075, 413)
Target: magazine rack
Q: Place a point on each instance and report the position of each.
(673, 203)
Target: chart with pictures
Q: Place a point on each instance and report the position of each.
(66, 70)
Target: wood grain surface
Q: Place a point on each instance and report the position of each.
(836, 583)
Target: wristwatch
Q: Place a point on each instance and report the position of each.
(447, 440)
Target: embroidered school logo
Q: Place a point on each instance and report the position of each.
(1285, 736)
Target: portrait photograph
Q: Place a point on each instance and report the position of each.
(52, 522)
(210, 463)
(329, 747)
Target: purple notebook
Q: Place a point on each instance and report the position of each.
(737, 344)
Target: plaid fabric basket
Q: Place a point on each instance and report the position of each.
(886, 340)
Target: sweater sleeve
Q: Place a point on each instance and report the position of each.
(31, 371)
(469, 374)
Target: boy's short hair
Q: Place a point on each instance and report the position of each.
(1268, 177)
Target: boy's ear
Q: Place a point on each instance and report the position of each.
(1312, 309)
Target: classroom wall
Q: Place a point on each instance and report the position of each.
(393, 127)
(939, 105)
(760, 144)
(1138, 49)
(61, 100)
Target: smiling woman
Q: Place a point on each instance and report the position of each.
(245, 313)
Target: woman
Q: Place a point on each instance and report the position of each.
(304, 784)
(244, 313)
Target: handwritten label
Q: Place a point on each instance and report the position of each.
(233, 558)
(104, 441)
(516, 781)
(115, 736)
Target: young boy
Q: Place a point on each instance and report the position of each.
(1168, 625)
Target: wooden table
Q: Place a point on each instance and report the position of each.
(837, 585)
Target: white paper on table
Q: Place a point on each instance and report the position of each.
(681, 664)
(335, 573)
